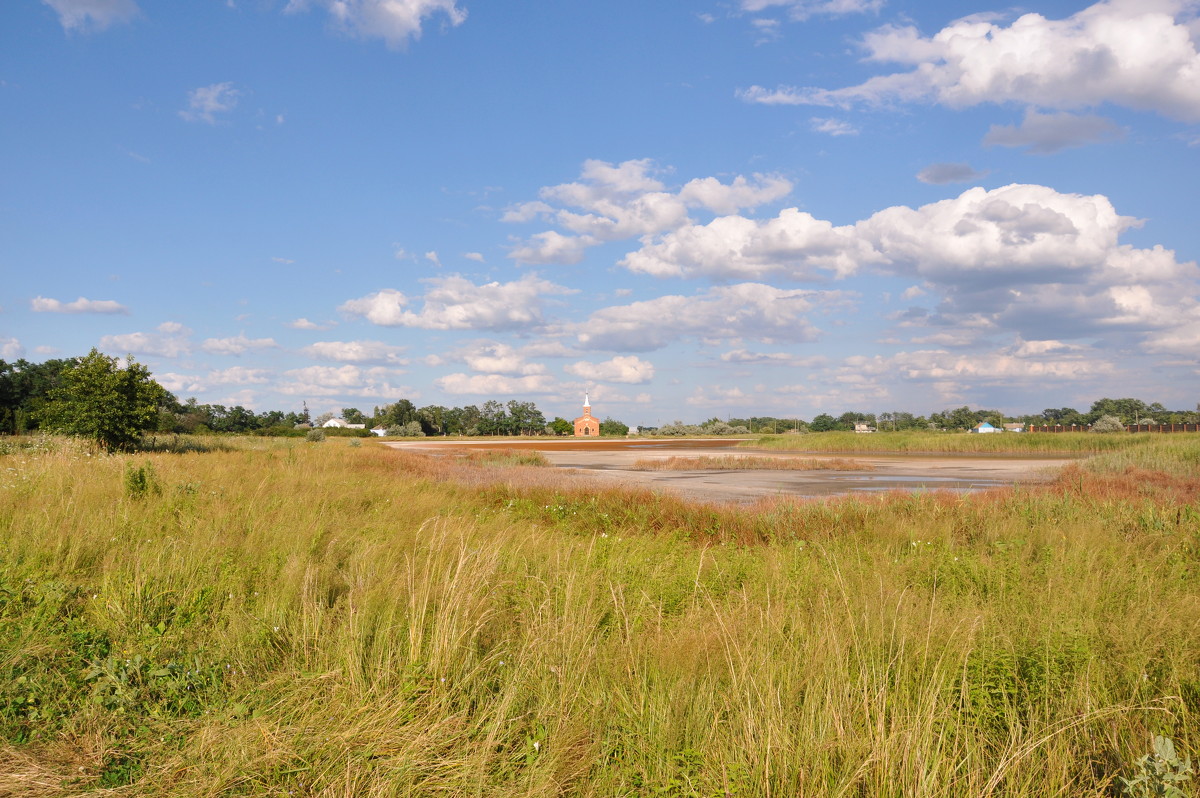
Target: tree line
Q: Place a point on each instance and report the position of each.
(98, 396)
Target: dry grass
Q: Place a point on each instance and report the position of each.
(337, 621)
(735, 463)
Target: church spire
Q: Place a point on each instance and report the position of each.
(586, 402)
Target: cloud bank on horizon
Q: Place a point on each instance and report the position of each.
(776, 207)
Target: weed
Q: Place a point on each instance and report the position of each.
(1160, 772)
(141, 480)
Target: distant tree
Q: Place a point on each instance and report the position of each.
(401, 412)
(98, 398)
(353, 415)
(613, 428)
(560, 426)
(823, 423)
(433, 419)
(320, 420)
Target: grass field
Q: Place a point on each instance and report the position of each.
(331, 619)
(957, 442)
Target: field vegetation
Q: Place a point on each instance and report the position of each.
(919, 441)
(329, 619)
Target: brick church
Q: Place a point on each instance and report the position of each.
(587, 425)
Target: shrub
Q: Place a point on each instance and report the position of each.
(1107, 424)
(315, 435)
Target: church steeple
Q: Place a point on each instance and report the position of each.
(587, 403)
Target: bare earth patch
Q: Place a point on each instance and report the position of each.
(735, 463)
(609, 461)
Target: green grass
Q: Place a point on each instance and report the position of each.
(956, 442)
(350, 621)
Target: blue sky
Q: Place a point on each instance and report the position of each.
(691, 209)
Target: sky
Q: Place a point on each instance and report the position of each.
(690, 209)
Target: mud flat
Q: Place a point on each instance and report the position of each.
(611, 460)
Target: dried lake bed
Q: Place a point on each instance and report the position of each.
(612, 460)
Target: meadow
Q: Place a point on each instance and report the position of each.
(340, 619)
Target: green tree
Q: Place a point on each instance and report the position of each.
(560, 426)
(823, 423)
(98, 398)
(613, 428)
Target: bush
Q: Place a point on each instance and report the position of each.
(410, 430)
(1107, 424)
(315, 436)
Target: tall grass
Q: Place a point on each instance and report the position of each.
(954, 443)
(337, 621)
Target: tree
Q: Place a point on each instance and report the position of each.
(612, 427)
(560, 426)
(1108, 424)
(353, 415)
(823, 423)
(99, 398)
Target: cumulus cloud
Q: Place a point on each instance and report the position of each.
(939, 174)
(356, 352)
(238, 375)
(492, 357)
(749, 310)
(628, 369)
(206, 102)
(180, 384)
(43, 305)
(236, 345)
(11, 349)
(1044, 134)
(794, 244)
(170, 340)
(1139, 54)
(92, 15)
(395, 21)
(626, 200)
(494, 384)
(345, 381)
(1026, 258)
(455, 303)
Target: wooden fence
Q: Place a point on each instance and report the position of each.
(1129, 427)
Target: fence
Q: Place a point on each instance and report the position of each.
(1128, 427)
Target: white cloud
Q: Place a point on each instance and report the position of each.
(180, 384)
(206, 102)
(239, 375)
(1139, 54)
(491, 357)
(284, 261)
(171, 340)
(800, 10)
(494, 384)
(744, 357)
(11, 349)
(627, 200)
(305, 324)
(750, 310)
(345, 381)
(356, 352)
(628, 369)
(718, 396)
(794, 244)
(833, 127)
(1048, 133)
(433, 258)
(236, 345)
(995, 367)
(81, 305)
(394, 21)
(455, 303)
(940, 174)
(475, 256)
(913, 291)
(92, 15)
